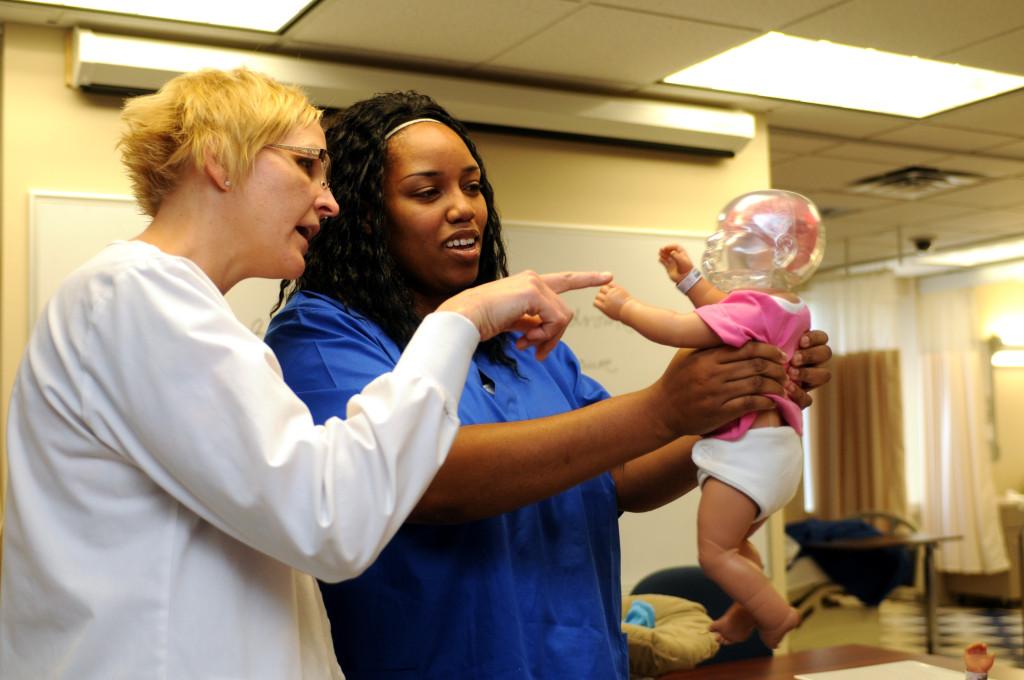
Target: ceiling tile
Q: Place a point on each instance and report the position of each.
(620, 45)
(1015, 150)
(448, 30)
(995, 194)
(833, 259)
(979, 164)
(809, 173)
(856, 245)
(831, 121)
(942, 138)
(843, 227)
(960, 239)
(846, 204)
(946, 239)
(858, 248)
(913, 212)
(908, 214)
(755, 14)
(776, 157)
(796, 142)
(924, 28)
(699, 96)
(598, 84)
(984, 222)
(890, 154)
(1001, 53)
(1003, 115)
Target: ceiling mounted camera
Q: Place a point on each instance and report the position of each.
(922, 243)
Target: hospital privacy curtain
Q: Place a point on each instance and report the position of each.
(857, 437)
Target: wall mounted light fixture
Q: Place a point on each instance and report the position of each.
(1005, 356)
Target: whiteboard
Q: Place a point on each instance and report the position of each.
(610, 352)
(67, 229)
(621, 359)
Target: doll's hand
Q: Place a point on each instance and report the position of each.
(805, 371)
(977, 658)
(611, 299)
(676, 262)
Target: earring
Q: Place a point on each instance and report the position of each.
(227, 183)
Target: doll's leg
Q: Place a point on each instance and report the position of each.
(736, 624)
(718, 533)
(724, 518)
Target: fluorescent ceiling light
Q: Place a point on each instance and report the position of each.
(976, 255)
(257, 16)
(821, 72)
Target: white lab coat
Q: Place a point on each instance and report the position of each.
(167, 489)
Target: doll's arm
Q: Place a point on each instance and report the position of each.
(654, 323)
(978, 661)
(678, 266)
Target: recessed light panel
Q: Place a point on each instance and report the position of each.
(257, 16)
(822, 72)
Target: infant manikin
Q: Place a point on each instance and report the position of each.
(767, 243)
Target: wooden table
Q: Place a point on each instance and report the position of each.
(785, 666)
(927, 542)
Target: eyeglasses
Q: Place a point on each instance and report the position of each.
(311, 153)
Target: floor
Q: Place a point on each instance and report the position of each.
(898, 623)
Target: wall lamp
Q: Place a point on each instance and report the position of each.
(1005, 356)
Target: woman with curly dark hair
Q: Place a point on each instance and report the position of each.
(509, 565)
(371, 279)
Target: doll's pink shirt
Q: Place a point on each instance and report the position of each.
(753, 315)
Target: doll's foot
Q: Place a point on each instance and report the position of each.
(772, 635)
(734, 626)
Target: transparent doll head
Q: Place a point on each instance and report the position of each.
(769, 239)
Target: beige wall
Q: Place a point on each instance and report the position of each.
(51, 137)
(999, 302)
(570, 182)
(60, 139)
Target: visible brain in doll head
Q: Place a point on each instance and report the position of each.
(765, 239)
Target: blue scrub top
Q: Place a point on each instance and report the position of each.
(529, 594)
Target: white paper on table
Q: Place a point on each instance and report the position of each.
(902, 670)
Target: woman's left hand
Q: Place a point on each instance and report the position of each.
(805, 371)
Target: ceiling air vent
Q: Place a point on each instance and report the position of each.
(914, 182)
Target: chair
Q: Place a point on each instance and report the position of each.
(870, 575)
(689, 582)
(886, 522)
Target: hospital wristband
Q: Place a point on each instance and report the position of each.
(689, 281)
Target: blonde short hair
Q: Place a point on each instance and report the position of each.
(229, 114)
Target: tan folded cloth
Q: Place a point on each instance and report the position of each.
(680, 638)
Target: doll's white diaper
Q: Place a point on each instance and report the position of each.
(765, 463)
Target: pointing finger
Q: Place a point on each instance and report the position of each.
(563, 281)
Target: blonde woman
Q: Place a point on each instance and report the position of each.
(166, 487)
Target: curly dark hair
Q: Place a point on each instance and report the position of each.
(350, 260)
